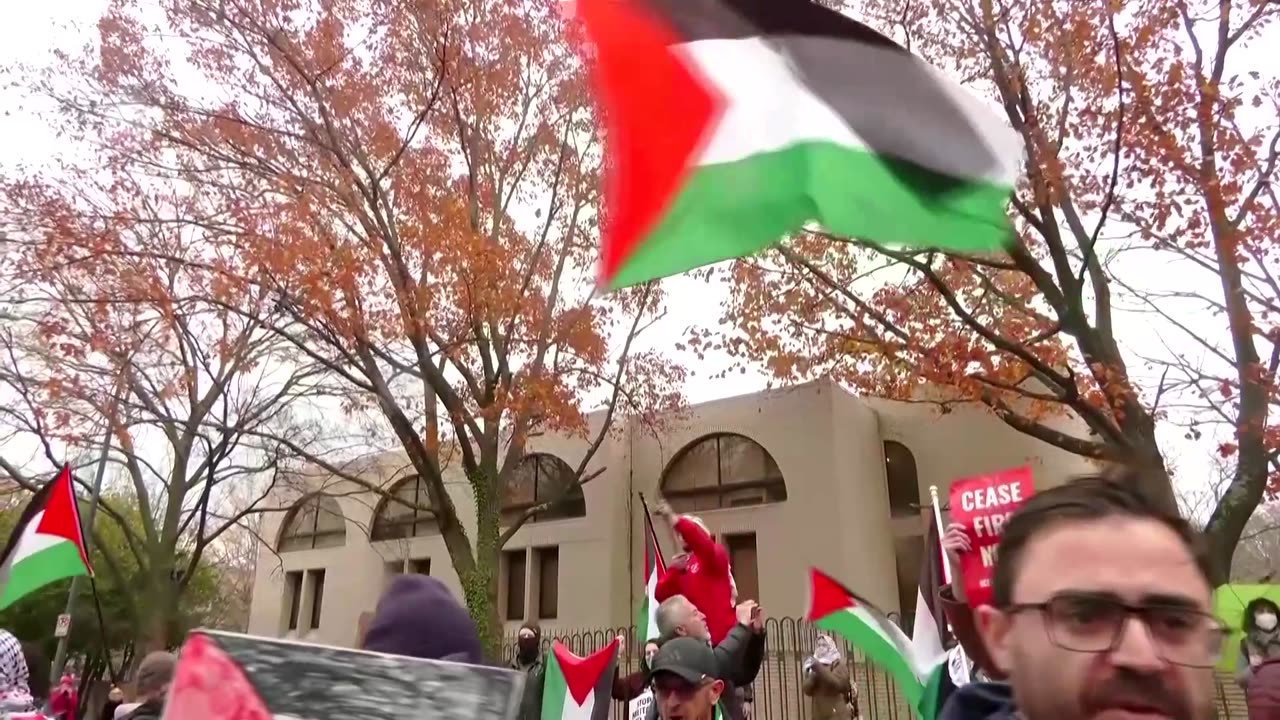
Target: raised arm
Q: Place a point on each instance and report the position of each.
(704, 547)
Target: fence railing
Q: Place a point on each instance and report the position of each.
(777, 688)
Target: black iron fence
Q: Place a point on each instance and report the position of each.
(777, 687)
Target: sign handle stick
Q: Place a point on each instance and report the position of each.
(937, 518)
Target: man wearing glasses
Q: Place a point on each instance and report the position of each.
(686, 683)
(1101, 609)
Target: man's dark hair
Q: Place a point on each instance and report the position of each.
(1084, 499)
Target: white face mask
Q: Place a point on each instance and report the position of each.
(1265, 621)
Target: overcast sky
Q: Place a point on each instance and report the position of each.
(31, 30)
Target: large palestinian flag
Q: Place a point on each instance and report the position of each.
(834, 607)
(46, 545)
(731, 123)
(654, 566)
(578, 688)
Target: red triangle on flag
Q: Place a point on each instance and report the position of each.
(582, 674)
(657, 113)
(826, 595)
(61, 516)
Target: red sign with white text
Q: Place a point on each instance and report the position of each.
(982, 504)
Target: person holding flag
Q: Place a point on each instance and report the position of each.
(700, 573)
(956, 606)
(635, 686)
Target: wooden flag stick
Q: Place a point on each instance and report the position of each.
(937, 518)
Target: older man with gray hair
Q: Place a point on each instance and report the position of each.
(738, 655)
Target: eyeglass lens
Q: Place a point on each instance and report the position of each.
(1183, 636)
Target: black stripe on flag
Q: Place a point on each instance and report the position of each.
(34, 505)
(899, 109)
(736, 19)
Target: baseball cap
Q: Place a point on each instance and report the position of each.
(155, 672)
(689, 659)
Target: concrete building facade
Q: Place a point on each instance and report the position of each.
(809, 475)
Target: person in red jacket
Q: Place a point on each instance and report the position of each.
(701, 573)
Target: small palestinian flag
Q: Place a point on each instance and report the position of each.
(930, 634)
(834, 607)
(46, 545)
(732, 123)
(654, 566)
(578, 688)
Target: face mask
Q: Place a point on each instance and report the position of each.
(1265, 621)
(528, 648)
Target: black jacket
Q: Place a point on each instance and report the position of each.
(531, 701)
(739, 656)
(980, 701)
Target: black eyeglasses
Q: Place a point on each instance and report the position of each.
(1095, 623)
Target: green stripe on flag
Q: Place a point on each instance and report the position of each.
(738, 208)
(555, 689)
(878, 649)
(59, 560)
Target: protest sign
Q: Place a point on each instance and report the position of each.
(641, 704)
(983, 504)
(302, 681)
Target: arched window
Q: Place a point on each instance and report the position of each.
(315, 522)
(407, 513)
(900, 474)
(540, 477)
(721, 471)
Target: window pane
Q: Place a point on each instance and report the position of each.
(554, 476)
(515, 562)
(903, 482)
(695, 467)
(742, 561)
(521, 483)
(743, 460)
(329, 518)
(548, 582)
(711, 473)
(421, 566)
(317, 597)
(293, 597)
(407, 513)
(391, 570)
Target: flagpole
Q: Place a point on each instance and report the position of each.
(937, 518)
(60, 657)
(662, 563)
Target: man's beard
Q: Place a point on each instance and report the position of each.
(1123, 690)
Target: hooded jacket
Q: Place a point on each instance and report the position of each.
(418, 617)
(980, 701)
(703, 579)
(1264, 644)
(535, 675)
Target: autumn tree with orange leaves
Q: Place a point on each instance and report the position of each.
(415, 186)
(1151, 134)
(106, 341)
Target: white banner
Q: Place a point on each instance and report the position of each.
(641, 704)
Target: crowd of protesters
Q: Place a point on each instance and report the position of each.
(1102, 608)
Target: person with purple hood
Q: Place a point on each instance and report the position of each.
(418, 617)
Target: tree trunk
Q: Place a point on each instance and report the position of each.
(1231, 514)
(480, 582)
